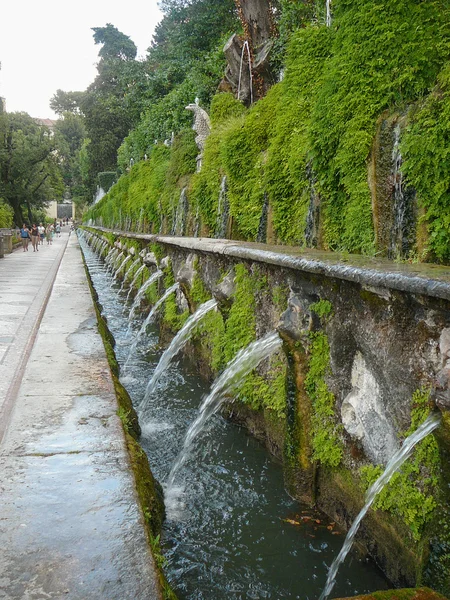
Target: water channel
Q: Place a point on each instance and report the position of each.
(232, 532)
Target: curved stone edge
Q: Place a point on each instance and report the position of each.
(401, 594)
(386, 274)
(149, 490)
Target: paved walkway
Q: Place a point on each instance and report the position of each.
(70, 525)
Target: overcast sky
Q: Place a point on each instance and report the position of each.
(47, 45)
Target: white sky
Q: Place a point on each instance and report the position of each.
(47, 45)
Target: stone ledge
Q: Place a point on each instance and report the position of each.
(423, 279)
(404, 594)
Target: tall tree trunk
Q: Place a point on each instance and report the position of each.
(18, 215)
(250, 82)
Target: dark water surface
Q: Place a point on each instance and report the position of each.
(232, 532)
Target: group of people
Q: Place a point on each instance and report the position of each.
(38, 233)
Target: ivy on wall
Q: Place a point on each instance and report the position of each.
(311, 137)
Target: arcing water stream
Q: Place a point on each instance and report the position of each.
(397, 460)
(225, 386)
(236, 533)
(177, 344)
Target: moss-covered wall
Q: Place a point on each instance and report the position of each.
(315, 147)
(344, 343)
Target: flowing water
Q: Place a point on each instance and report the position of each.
(127, 273)
(148, 320)
(397, 460)
(139, 296)
(135, 278)
(122, 266)
(224, 387)
(177, 344)
(236, 534)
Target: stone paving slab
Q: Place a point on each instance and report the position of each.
(70, 523)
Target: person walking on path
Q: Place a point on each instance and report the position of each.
(41, 230)
(48, 234)
(58, 230)
(25, 237)
(34, 237)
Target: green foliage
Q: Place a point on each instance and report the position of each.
(326, 444)
(138, 197)
(224, 106)
(198, 292)
(6, 214)
(268, 392)
(373, 66)
(241, 322)
(426, 149)
(106, 179)
(29, 170)
(280, 296)
(115, 44)
(150, 190)
(410, 494)
(311, 137)
(322, 308)
(288, 170)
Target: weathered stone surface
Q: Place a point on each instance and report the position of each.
(164, 263)
(297, 320)
(223, 291)
(186, 273)
(150, 259)
(364, 416)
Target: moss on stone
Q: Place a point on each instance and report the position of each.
(411, 493)
(172, 319)
(326, 444)
(240, 329)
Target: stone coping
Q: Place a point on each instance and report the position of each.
(421, 278)
(401, 594)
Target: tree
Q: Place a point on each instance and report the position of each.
(63, 102)
(116, 45)
(29, 170)
(108, 103)
(70, 133)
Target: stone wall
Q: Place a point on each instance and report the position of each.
(365, 358)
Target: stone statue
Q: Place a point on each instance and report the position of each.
(202, 127)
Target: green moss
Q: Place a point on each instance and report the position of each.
(158, 251)
(410, 495)
(322, 308)
(280, 295)
(223, 107)
(241, 323)
(326, 444)
(172, 318)
(427, 165)
(268, 392)
(199, 294)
